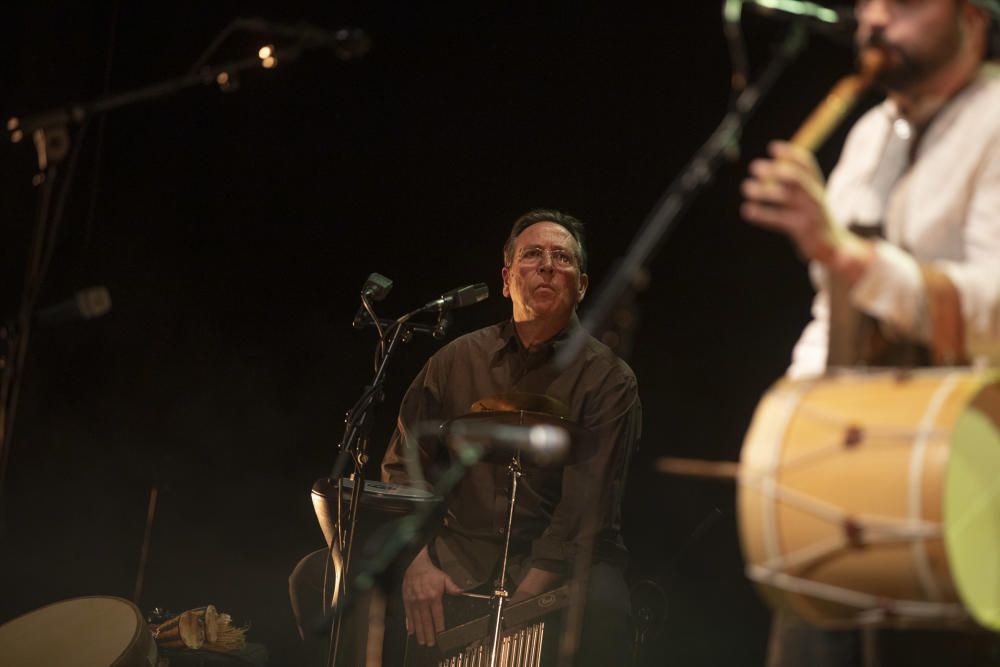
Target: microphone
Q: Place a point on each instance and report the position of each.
(816, 17)
(544, 443)
(459, 297)
(347, 43)
(376, 288)
(86, 304)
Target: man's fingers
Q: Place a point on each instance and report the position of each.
(418, 624)
(765, 216)
(781, 171)
(426, 625)
(437, 613)
(408, 612)
(803, 159)
(451, 587)
(766, 192)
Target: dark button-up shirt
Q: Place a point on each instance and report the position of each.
(558, 509)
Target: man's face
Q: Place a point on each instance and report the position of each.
(917, 38)
(544, 280)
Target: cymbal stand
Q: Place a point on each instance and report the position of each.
(500, 594)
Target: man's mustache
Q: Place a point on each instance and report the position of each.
(877, 40)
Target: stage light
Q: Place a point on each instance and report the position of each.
(265, 52)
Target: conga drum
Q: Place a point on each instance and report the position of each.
(382, 505)
(874, 498)
(83, 632)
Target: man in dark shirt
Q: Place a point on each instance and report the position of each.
(567, 512)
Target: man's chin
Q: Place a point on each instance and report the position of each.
(549, 310)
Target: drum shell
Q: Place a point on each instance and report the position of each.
(868, 446)
(93, 631)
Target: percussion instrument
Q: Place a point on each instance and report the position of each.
(380, 503)
(85, 632)
(380, 506)
(874, 498)
(528, 638)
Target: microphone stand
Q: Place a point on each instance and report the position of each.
(354, 447)
(49, 131)
(722, 146)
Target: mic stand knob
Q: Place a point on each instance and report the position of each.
(441, 328)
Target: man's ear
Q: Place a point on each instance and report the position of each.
(584, 282)
(505, 276)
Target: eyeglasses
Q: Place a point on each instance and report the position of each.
(534, 255)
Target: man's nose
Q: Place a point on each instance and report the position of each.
(873, 14)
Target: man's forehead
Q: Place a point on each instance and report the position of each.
(551, 232)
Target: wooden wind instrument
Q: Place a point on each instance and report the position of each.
(838, 102)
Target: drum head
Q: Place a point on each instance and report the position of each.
(972, 507)
(85, 632)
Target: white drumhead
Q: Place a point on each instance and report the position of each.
(972, 507)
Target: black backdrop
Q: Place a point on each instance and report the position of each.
(234, 230)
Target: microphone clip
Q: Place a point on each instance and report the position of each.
(443, 323)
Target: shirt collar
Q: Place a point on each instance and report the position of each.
(507, 338)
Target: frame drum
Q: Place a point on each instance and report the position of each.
(874, 498)
(84, 632)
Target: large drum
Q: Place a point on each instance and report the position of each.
(84, 632)
(874, 498)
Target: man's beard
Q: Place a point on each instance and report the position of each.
(903, 70)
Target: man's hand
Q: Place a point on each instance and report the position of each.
(787, 194)
(423, 587)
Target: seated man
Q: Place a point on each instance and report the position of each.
(565, 516)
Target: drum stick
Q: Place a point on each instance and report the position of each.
(727, 470)
(838, 103)
(144, 552)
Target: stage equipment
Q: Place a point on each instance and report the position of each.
(353, 446)
(85, 632)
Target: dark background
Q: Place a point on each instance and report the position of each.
(234, 230)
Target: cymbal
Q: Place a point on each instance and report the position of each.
(516, 401)
(581, 442)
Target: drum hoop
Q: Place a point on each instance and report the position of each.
(791, 397)
(918, 456)
(868, 604)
